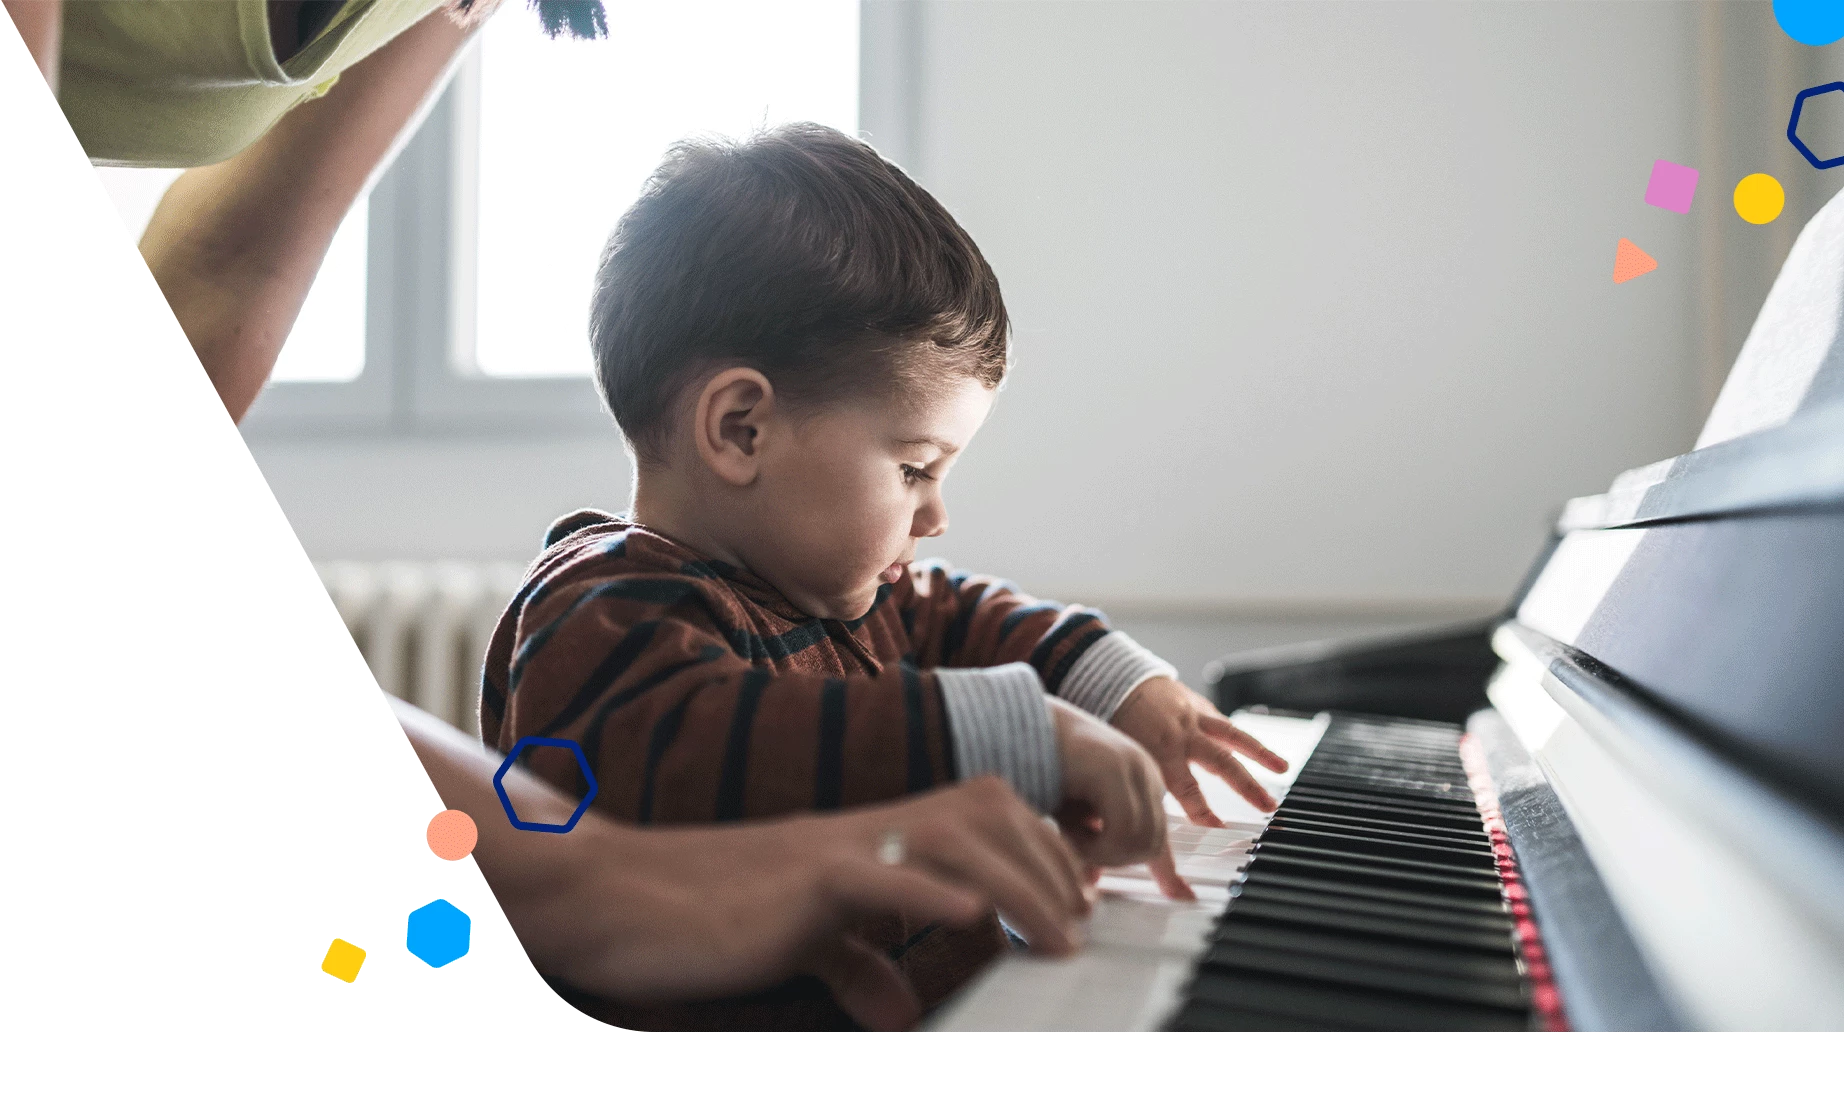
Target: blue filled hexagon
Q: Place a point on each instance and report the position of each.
(438, 932)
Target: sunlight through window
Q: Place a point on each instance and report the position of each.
(568, 132)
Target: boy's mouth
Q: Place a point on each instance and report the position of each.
(892, 573)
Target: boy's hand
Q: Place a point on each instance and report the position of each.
(1113, 810)
(1179, 727)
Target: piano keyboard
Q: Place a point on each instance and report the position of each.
(1373, 900)
(1141, 946)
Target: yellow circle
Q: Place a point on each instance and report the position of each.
(1759, 198)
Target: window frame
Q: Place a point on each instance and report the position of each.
(418, 376)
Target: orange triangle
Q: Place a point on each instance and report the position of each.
(1630, 262)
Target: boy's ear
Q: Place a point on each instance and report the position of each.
(729, 422)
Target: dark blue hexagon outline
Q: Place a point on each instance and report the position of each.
(1792, 125)
(505, 801)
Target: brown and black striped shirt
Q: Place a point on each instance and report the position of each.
(699, 694)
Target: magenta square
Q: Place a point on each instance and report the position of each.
(1672, 186)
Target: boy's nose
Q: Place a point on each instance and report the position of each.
(931, 521)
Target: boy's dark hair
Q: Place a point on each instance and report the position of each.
(800, 252)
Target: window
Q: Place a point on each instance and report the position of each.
(565, 134)
(458, 298)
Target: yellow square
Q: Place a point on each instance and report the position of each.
(343, 960)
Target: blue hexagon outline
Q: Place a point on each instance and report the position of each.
(410, 927)
(505, 801)
(1792, 125)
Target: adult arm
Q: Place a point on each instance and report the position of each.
(648, 916)
(41, 24)
(235, 246)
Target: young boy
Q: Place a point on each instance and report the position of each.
(798, 342)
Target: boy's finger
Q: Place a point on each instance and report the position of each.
(1149, 805)
(1123, 837)
(1068, 863)
(1190, 796)
(1165, 871)
(1218, 726)
(1238, 778)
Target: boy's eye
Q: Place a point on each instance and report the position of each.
(914, 475)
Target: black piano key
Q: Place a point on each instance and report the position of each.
(1405, 793)
(1358, 974)
(1278, 862)
(1425, 929)
(1441, 752)
(1314, 815)
(1484, 907)
(1346, 803)
(1362, 794)
(1347, 1008)
(1461, 913)
(1432, 826)
(1388, 767)
(1395, 954)
(1383, 848)
(1201, 1015)
(1414, 874)
(1441, 773)
(1435, 861)
(1395, 761)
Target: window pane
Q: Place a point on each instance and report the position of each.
(570, 130)
(328, 340)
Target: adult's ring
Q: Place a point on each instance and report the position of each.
(890, 849)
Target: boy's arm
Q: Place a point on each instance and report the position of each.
(971, 620)
(679, 726)
(961, 620)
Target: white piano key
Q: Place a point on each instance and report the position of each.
(1098, 989)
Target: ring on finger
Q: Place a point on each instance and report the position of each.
(890, 848)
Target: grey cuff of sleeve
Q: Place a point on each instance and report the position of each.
(1000, 725)
(1102, 678)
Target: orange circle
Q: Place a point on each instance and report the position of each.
(452, 835)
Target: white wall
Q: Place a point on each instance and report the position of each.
(1313, 304)
(1312, 300)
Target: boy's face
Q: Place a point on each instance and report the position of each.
(852, 489)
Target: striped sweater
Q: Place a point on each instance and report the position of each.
(699, 694)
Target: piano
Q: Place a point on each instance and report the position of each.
(1619, 805)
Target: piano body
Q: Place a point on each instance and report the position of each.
(1618, 806)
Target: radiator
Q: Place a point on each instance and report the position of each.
(423, 626)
